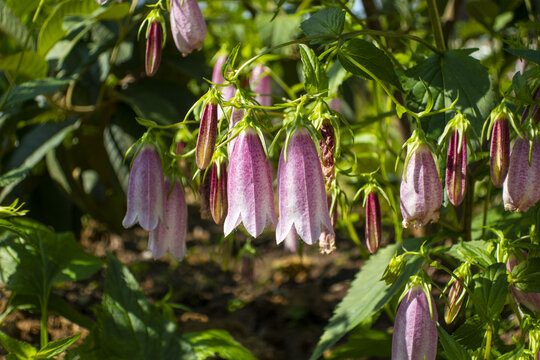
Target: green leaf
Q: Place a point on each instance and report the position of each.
(212, 343)
(367, 294)
(14, 176)
(278, 30)
(31, 89)
(20, 349)
(452, 349)
(315, 78)
(52, 29)
(21, 7)
(56, 347)
(490, 290)
(529, 55)
(455, 72)
(526, 275)
(364, 342)
(325, 22)
(12, 26)
(471, 333)
(477, 252)
(32, 64)
(483, 11)
(368, 56)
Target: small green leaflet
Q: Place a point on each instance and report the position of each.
(209, 343)
(327, 22)
(315, 78)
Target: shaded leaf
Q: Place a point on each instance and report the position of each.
(209, 343)
(529, 55)
(315, 78)
(325, 22)
(527, 275)
(31, 89)
(364, 342)
(471, 333)
(12, 26)
(477, 252)
(452, 349)
(56, 347)
(490, 290)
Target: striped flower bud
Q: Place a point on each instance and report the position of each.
(415, 332)
(421, 189)
(187, 25)
(499, 151)
(145, 190)
(261, 85)
(154, 42)
(456, 169)
(373, 222)
(206, 140)
(204, 192)
(218, 192)
(521, 189)
(456, 295)
(171, 231)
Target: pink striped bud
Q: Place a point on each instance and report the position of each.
(456, 169)
(218, 192)
(500, 151)
(261, 85)
(145, 190)
(171, 231)
(521, 189)
(187, 25)
(373, 222)
(421, 189)
(154, 42)
(415, 332)
(206, 140)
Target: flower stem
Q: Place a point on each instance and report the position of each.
(436, 25)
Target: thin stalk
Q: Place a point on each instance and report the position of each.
(436, 25)
(486, 204)
(43, 335)
(489, 335)
(468, 208)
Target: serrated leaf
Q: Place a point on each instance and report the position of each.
(56, 347)
(325, 22)
(490, 290)
(527, 275)
(30, 89)
(477, 252)
(315, 78)
(12, 26)
(209, 343)
(52, 30)
(447, 75)
(370, 58)
(471, 333)
(29, 64)
(452, 349)
(20, 349)
(367, 294)
(529, 55)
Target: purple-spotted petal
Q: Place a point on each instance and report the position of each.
(187, 25)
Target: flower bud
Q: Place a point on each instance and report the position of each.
(328, 147)
(171, 231)
(301, 193)
(206, 140)
(456, 295)
(218, 192)
(187, 25)
(500, 151)
(204, 192)
(249, 186)
(528, 299)
(415, 332)
(145, 190)
(154, 42)
(521, 189)
(373, 222)
(394, 269)
(456, 169)
(261, 85)
(421, 189)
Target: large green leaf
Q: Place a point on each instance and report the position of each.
(30, 89)
(20, 349)
(452, 349)
(52, 29)
(527, 54)
(490, 290)
(209, 343)
(12, 26)
(367, 295)
(27, 63)
(527, 275)
(315, 78)
(357, 52)
(56, 347)
(325, 22)
(444, 77)
(477, 252)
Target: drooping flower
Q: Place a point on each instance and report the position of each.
(456, 168)
(187, 25)
(206, 139)
(218, 192)
(421, 189)
(227, 92)
(171, 231)
(154, 42)
(415, 331)
(301, 193)
(521, 188)
(261, 85)
(499, 151)
(249, 187)
(236, 115)
(528, 299)
(145, 190)
(373, 222)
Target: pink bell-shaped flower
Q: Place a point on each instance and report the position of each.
(415, 332)
(456, 168)
(145, 190)
(528, 299)
(187, 25)
(171, 231)
(521, 189)
(249, 186)
(217, 78)
(154, 42)
(261, 85)
(236, 115)
(421, 189)
(499, 151)
(373, 222)
(301, 194)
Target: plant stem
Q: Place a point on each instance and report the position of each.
(44, 339)
(436, 25)
(489, 334)
(486, 204)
